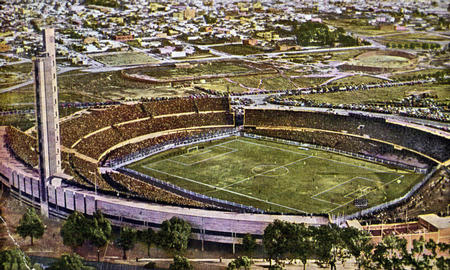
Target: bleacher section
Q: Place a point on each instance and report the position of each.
(432, 145)
(94, 146)
(77, 127)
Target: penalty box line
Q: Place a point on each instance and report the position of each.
(232, 150)
(340, 184)
(401, 176)
(226, 190)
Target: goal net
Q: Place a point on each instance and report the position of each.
(192, 149)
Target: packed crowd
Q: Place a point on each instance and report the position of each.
(173, 138)
(23, 146)
(433, 145)
(77, 127)
(98, 143)
(87, 172)
(347, 143)
(433, 197)
(152, 193)
(425, 108)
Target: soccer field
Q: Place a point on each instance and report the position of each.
(278, 177)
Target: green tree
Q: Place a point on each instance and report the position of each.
(174, 235)
(126, 240)
(69, 262)
(275, 240)
(239, 263)
(99, 231)
(16, 259)
(443, 262)
(75, 230)
(418, 257)
(31, 225)
(148, 237)
(359, 244)
(329, 246)
(390, 253)
(300, 243)
(180, 263)
(248, 244)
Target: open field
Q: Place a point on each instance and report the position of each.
(357, 79)
(238, 49)
(379, 94)
(315, 57)
(278, 177)
(127, 58)
(200, 69)
(359, 26)
(415, 36)
(14, 74)
(90, 87)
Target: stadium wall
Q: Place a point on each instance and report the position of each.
(207, 225)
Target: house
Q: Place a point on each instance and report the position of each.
(250, 42)
(4, 47)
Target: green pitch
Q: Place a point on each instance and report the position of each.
(278, 177)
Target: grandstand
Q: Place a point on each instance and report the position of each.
(94, 139)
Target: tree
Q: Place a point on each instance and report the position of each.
(300, 243)
(99, 231)
(69, 262)
(75, 230)
(147, 237)
(240, 262)
(359, 244)
(180, 263)
(248, 244)
(126, 240)
(390, 253)
(16, 259)
(275, 240)
(31, 225)
(174, 235)
(329, 247)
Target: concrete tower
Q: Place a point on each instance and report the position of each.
(47, 115)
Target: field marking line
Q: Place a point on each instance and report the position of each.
(401, 176)
(335, 186)
(196, 154)
(361, 189)
(362, 167)
(273, 147)
(226, 190)
(258, 174)
(206, 159)
(216, 156)
(208, 148)
(353, 165)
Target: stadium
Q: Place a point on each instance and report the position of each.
(226, 174)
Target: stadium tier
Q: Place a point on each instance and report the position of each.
(434, 146)
(23, 146)
(76, 127)
(94, 146)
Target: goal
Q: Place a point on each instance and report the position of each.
(192, 149)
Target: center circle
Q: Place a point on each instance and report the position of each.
(270, 170)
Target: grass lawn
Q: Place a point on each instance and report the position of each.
(223, 85)
(359, 26)
(379, 94)
(414, 36)
(278, 177)
(238, 49)
(357, 79)
(14, 74)
(127, 58)
(200, 69)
